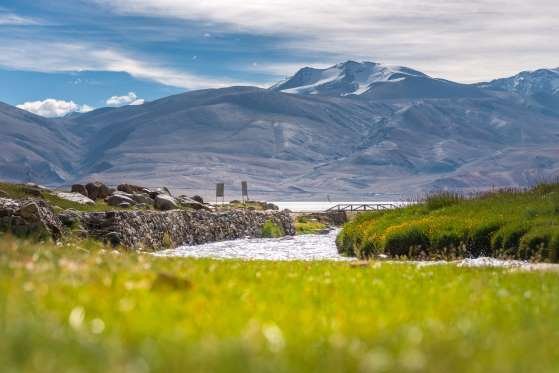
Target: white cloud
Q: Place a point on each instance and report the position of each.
(47, 56)
(462, 40)
(51, 108)
(129, 99)
(10, 19)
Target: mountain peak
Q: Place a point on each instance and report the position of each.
(529, 83)
(373, 81)
(343, 79)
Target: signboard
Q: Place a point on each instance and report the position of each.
(219, 190)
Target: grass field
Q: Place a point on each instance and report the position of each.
(74, 308)
(510, 224)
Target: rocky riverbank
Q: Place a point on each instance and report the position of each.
(30, 212)
(160, 230)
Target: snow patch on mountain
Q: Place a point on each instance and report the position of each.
(343, 79)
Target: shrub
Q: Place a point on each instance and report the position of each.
(306, 225)
(446, 239)
(167, 241)
(479, 240)
(553, 254)
(535, 242)
(271, 230)
(405, 241)
(508, 237)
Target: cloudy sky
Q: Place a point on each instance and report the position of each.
(58, 56)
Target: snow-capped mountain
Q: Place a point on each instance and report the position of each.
(372, 80)
(347, 78)
(529, 83)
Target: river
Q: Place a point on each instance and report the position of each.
(304, 247)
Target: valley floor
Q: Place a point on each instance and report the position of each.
(81, 307)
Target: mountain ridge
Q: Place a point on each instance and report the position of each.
(407, 138)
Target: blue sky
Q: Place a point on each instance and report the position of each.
(87, 51)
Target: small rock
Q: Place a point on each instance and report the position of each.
(165, 202)
(114, 238)
(80, 188)
(97, 190)
(124, 205)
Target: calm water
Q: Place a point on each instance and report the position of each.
(305, 247)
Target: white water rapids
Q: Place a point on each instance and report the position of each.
(304, 247)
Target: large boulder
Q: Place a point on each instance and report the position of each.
(131, 189)
(142, 198)
(185, 201)
(165, 202)
(29, 217)
(75, 197)
(80, 188)
(198, 199)
(120, 199)
(271, 206)
(159, 191)
(97, 190)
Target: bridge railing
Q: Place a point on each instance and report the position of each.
(362, 207)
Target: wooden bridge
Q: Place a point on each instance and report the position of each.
(362, 207)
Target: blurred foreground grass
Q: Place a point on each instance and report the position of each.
(84, 308)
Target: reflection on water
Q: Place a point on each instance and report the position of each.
(304, 247)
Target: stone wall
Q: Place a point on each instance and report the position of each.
(152, 230)
(137, 229)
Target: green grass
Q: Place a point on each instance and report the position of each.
(272, 230)
(304, 225)
(86, 309)
(510, 224)
(249, 205)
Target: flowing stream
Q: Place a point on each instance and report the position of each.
(304, 247)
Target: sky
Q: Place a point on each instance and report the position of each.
(60, 56)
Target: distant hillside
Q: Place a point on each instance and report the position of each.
(35, 148)
(368, 129)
